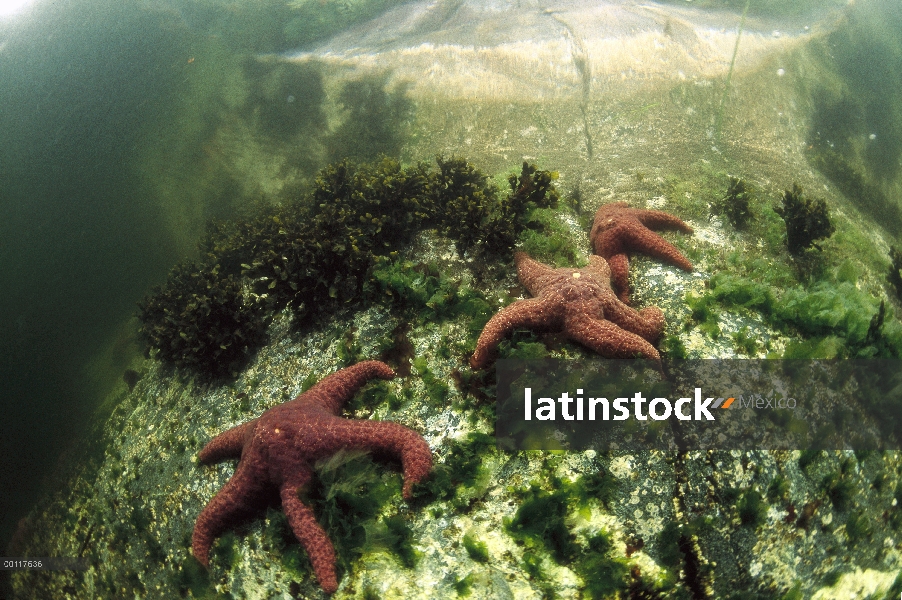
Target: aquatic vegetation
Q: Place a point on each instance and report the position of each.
(398, 538)
(541, 525)
(472, 213)
(423, 290)
(477, 550)
(778, 489)
(436, 388)
(469, 200)
(603, 575)
(858, 526)
(807, 220)
(460, 472)
(550, 240)
(734, 290)
(841, 320)
(704, 312)
(320, 253)
(736, 204)
(203, 320)
(745, 341)
(751, 508)
(840, 489)
(673, 348)
(540, 520)
(464, 586)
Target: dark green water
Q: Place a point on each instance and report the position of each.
(80, 243)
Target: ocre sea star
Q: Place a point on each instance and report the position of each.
(278, 451)
(617, 228)
(579, 303)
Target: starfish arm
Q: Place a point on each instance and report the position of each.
(657, 219)
(599, 268)
(333, 391)
(620, 275)
(532, 313)
(607, 339)
(227, 444)
(647, 323)
(531, 272)
(388, 438)
(652, 244)
(311, 536)
(238, 500)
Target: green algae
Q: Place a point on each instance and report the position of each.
(550, 240)
(436, 389)
(603, 575)
(540, 521)
(840, 320)
(398, 538)
(751, 508)
(778, 489)
(464, 586)
(461, 469)
(476, 549)
(840, 489)
(351, 491)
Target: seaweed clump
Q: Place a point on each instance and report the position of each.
(471, 212)
(807, 220)
(202, 320)
(317, 254)
(736, 204)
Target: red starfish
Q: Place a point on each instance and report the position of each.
(617, 228)
(579, 303)
(278, 451)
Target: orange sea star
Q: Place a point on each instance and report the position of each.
(579, 303)
(618, 229)
(278, 451)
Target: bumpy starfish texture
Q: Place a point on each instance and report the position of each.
(618, 229)
(579, 303)
(278, 451)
